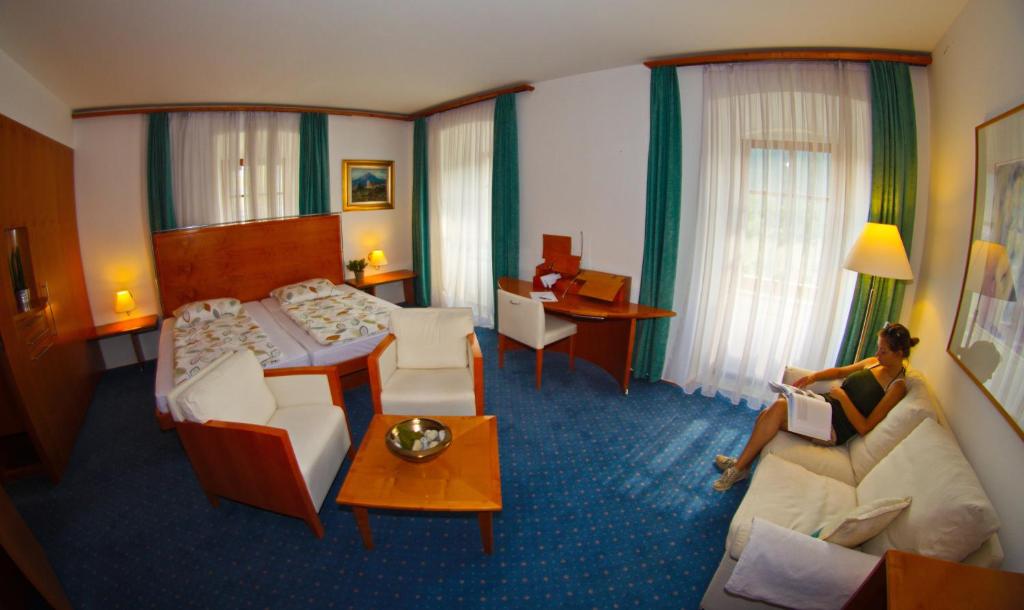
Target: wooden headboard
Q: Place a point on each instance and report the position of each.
(246, 261)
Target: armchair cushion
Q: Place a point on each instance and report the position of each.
(429, 392)
(432, 338)
(230, 389)
(790, 496)
(950, 516)
(556, 329)
(291, 390)
(319, 438)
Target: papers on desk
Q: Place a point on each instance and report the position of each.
(546, 297)
(549, 280)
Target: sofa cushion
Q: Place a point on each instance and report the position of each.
(429, 392)
(831, 462)
(788, 495)
(319, 438)
(863, 522)
(432, 338)
(950, 515)
(231, 388)
(866, 451)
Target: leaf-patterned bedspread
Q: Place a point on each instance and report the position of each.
(199, 344)
(341, 318)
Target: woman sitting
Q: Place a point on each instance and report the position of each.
(871, 388)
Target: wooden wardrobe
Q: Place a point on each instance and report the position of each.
(48, 365)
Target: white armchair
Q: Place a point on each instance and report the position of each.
(273, 439)
(523, 321)
(430, 364)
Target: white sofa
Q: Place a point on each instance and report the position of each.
(801, 486)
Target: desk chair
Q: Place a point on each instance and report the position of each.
(523, 321)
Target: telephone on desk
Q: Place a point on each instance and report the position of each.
(558, 259)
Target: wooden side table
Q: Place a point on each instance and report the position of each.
(369, 283)
(131, 326)
(906, 580)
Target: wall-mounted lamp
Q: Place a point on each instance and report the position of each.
(377, 259)
(124, 302)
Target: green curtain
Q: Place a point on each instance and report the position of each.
(893, 197)
(420, 213)
(314, 165)
(505, 193)
(158, 174)
(661, 232)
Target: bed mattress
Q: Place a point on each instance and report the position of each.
(322, 354)
(292, 353)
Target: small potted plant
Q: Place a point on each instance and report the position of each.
(21, 291)
(357, 266)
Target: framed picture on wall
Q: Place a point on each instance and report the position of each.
(367, 185)
(987, 340)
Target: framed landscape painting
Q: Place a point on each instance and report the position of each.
(367, 185)
(988, 334)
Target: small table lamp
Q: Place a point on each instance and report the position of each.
(377, 259)
(124, 302)
(879, 252)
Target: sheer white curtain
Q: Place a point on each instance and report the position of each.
(232, 166)
(461, 149)
(784, 189)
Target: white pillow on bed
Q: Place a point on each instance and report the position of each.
(307, 290)
(206, 311)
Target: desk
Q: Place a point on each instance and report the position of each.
(369, 283)
(132, 326)
(604, 331)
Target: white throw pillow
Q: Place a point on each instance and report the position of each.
(308, 290)
(866, 451)
(950, 516)
(205, 311)
(230, 388)
(432, 338)
(862, 523)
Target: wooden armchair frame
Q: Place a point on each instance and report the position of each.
(255, 464)
(373, 365)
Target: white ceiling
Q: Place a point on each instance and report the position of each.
(406, 55)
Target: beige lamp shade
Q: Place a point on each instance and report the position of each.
(377, 258)
(988, 271)
(124, 301)
(879, 252)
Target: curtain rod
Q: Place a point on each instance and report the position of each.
(858, 55)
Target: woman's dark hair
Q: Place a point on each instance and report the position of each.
(897, 338)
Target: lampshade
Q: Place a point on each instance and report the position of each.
(123, 301)
(879, 252)
(988, 271)
(377, 258)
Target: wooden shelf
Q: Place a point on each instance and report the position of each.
(369, 283)
(130, 325)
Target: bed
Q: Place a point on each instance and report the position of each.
(246, 261)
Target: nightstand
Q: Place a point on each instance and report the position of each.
(369, 283)
(131, 326)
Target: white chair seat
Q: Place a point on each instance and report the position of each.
(556, 329)
(429, 392)
(319, 439)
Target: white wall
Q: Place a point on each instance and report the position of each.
(583, 167)
(389, 230)
(28, 102)
(110, 187)
(975, 75)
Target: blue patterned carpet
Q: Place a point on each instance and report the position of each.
(607, 504)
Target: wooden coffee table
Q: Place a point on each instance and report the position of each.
(465, 478)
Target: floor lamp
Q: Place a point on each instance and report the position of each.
(878, 251)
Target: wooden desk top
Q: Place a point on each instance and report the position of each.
(382, 278)
(466, 477)
(575, 305)
(131, 325)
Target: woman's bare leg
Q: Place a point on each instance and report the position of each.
(768, 423)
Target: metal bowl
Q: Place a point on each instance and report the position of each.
(418, 439)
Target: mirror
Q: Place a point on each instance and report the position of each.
(988, 336)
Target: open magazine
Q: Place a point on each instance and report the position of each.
(809, 414)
